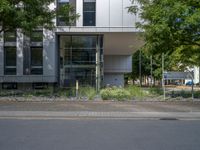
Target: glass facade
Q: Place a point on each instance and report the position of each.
(89, 13)
(78, 59)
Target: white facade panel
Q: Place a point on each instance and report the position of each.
(79, 10)
(116, 13)
(128, 18)
(102, 13)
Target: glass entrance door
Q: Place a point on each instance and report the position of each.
(79, 60)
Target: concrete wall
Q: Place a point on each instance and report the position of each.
(117, 64)
(19, 45)
(121, 43)
(112, 79)
(49, 54)
(196, 74)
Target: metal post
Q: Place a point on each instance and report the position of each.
(163, 78)
(192, 76)
(151, 71)
(140, 67)
(199, 76)
(192, 89)
(98, 69)
(77, 87)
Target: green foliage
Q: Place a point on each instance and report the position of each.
(115, 93)
(156, 91)
(171, 27)
(145, 64)
(135, 92)
(66, 92)
(172, 63)
(30, 14)
(71, 16)
(88, 92)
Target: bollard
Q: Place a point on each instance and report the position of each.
(77, 86)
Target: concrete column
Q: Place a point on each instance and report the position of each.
(1, 55)
(19, 46)
(79, 10)
(49, 55)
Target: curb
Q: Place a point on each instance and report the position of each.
(100, 115)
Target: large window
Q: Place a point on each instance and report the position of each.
(61, 21)
(36, 36)
(10, 60)
(78, 56)
(33, 53)
(80, 50)
(10, 36)
(89, 13)
(36, 60)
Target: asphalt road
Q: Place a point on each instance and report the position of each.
(99, 135)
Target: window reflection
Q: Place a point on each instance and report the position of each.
(10, 60)
(89, 13)
(78, 59)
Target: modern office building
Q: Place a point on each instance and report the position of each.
(96, 50)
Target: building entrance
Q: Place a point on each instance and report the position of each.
(81, 59)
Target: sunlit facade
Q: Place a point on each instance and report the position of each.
(96, 50)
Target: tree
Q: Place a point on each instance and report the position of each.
(171, 64)
(30, 14)
(171, 27)
(71, 16)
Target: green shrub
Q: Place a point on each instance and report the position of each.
(88, 92)
(135, 91)
(156, 91)
(115, 94)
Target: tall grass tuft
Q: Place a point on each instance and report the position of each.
(88, 92)
(115, 93)
(135, 91)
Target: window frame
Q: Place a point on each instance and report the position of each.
(35, 66)
(5, 60)
(90, 12)
(36, 40)
(4, 36)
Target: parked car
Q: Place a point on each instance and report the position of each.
(178, 83)
(189, 83)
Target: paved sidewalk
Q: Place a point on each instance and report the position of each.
(100, 109)
(101, 106)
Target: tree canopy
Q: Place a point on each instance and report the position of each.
(171, 27)
(30, 14)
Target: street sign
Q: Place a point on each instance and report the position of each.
(178, 75)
